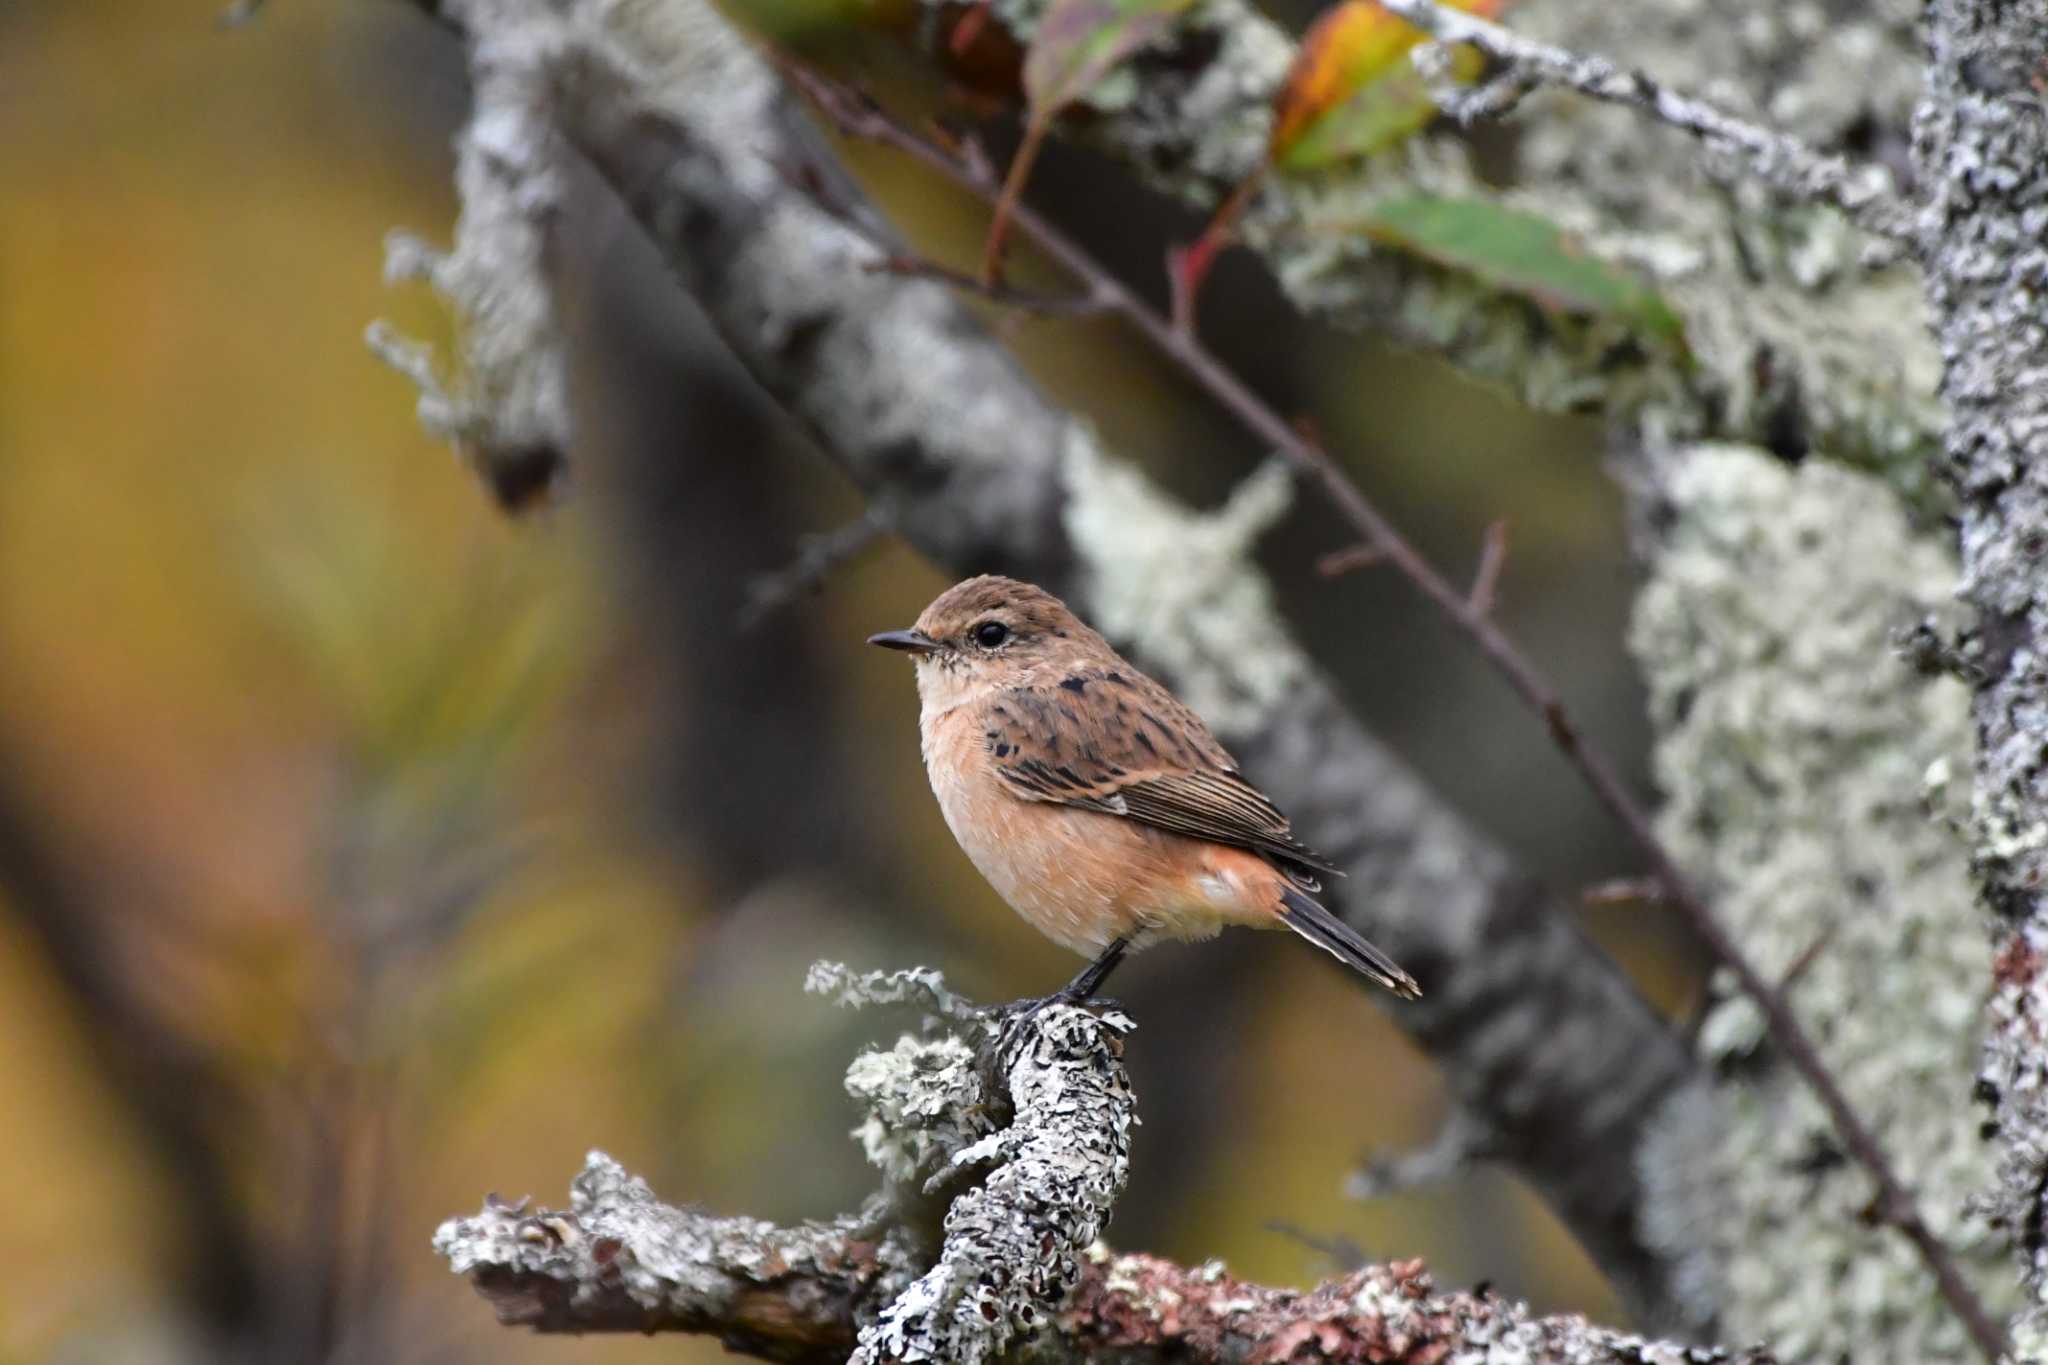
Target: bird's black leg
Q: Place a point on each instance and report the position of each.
(1082, 988)
(1079, 991)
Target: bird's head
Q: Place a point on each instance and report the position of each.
(990, 632)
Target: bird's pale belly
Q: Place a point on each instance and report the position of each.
(1083, 878)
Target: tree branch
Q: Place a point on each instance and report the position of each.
(618, 1260)
(1020, 1260)
(1862, 192)
(1894, 1202)
(1791, 338)
(1981, 143)
(979, 471)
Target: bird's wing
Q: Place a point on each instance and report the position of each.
(1115, 741)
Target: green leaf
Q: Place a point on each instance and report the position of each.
(1395, 106)
(1081, 41)
(1521, 253)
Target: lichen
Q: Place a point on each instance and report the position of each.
(1800, 332)
(506, 405)
(923, 1102)
(1015, 1242)
(1172, 583)
(919, 986)
(1793, 750)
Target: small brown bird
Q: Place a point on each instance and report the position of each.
(1098, 805)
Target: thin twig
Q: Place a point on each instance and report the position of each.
(1008, 295)
(1339, 1250)
(1624, 891)
(239, 13)
(1461, 1142)
(1864, 192)
(816, 557)
(1809, 955)
(1467, 105)
(1493, 552)
(1895, 1204)
(1340, 562)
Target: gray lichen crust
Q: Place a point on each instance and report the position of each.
(1810, 776)
(1981, 145)
(1038, 1192)
(1797, 331)
(1173, 584)
(1014, 1242)
(506, 408)
(1020, 1269)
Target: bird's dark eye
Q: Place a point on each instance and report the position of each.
(989, 634)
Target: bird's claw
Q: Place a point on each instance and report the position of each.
(1031, 1007)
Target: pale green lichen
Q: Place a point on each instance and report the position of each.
(1784, 317)
(1173, 583)
(1793, 339)
(506, 405)
(1015, 1242)
(919, 986)
(1794, 748)
(923, 1102)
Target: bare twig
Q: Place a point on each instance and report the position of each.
(1338, 1249)
(1624, 891)
(238, 14)
(1008, 295)
(1863, 192)
(1894, 1203)
(1808, 956)
(1340, 562)
(895, 261)
(1497, 98)
(1493, 552)
(1461, 1140)
(816, 557)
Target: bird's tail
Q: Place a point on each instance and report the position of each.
(1342, 942)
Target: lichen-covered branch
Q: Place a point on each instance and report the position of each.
(1014, 1242)
(1810, 777)
(1020, 1264)
(1863, 192)
(1981, 143)
(1852, 1133)
(618, 1260)
(1796, 336)
(505, 408)
(1540, 1038)
(1039, 1188)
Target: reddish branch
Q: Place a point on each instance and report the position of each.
(620, 1261)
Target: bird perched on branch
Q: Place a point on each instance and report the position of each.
(1093, 800)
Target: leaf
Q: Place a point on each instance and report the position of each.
(1522, 254)
(1349, 92)
(1384, 112)
(1077, 44)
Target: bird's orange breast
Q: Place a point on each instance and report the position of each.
(1082, 877)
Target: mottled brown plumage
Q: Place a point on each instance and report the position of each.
(1094, 801)
(1141, 754)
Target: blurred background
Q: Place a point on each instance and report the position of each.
(364, 849)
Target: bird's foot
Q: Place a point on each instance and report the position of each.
(1032, 1006)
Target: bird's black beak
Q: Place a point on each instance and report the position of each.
(910, 641)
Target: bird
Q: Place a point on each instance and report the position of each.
(1095, 802)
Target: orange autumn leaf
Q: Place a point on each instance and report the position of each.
(1347, 49)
